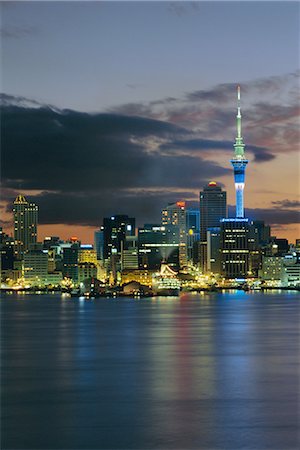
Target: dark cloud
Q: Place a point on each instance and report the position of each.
(86, 164)
(270, 108)
(271, 216)
(260, 153)
(88, 209)
(287, 203)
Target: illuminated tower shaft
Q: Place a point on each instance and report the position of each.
(239, 163)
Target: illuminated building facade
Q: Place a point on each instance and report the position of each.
(86, 270)
(115, 230)
(154, 247)
(174, 220)
(25, 225)
(213, 250)
(192, 232)
(235, 251)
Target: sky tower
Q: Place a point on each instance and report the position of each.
(239, 162)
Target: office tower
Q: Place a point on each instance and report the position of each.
(70, 262)
(36, 267)
(193, 231)
(174, 220)
(235, 247)
(129, 253)
(99, 243)
(115, 230)
(154, 247)
(213, 250)
(213, 208)
(25, 225)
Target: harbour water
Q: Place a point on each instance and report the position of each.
(213, 371)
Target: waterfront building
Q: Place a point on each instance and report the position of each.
(70, 262)
(36, 267)
(174, 220)
(25, 225)
(291, 270)
(7, 251)
(271, 271)
(86, 270)
(235, 248)
(154, 247)
(213, 208)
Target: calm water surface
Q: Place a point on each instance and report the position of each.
(214, 371)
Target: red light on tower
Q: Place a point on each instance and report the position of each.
(212, 184)
(180, 204)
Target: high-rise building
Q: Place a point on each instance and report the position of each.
(154, 247)
(115, 230)
(213, 208)
(174, 220)
(99, 243)
(70, 262)
(213, 250)
(192, 231)
(235, 251)
(25, 225)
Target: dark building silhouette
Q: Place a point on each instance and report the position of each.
(213, 208)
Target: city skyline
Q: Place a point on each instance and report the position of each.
(143, 139)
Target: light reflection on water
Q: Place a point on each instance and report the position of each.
(209, 371)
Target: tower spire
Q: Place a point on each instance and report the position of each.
(239, 162)
(239, 146)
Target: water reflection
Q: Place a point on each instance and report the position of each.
(210, 371)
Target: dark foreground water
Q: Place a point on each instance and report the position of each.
(213, 371)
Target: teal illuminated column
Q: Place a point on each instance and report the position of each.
(239, 163)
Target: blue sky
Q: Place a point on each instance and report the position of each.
(91, 55)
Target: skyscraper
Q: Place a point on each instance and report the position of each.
(115, 230)
(213, 208)
(174, 219)
(25, 225)
(192, 231)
